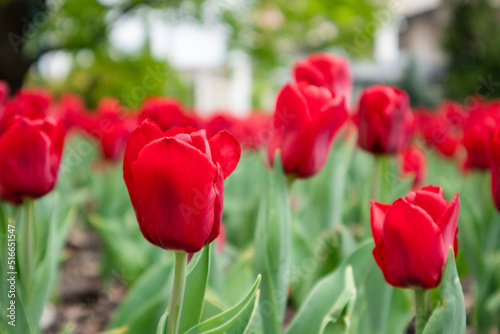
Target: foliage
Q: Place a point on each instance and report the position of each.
(472, 41)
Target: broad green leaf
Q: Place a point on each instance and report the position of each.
(449, 316)
(196, 284)
(343, 302)
(324, 297)
(234, 320)
(273, 248)
(151, 291)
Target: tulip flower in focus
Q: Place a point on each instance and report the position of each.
(413, 162)
(328, 71)
(413, 236)
(31, 145)
(306, 120)
(478, 129)
(495, 167)
(384, 119)
(175, 181)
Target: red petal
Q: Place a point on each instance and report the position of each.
(433, 203)
(413, 245)
(377, 216)
(175, 193)
(448, 224)
(226, 151)
(141, 136)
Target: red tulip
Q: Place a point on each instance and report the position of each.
(167, 113)
(495, 167)
(71, 110)
(384, 119)
(253, 131)
(31, 153)
(29, 102)
(306, 120)
(111, 127)
(326, 70)
(413, 161)
(413, 236)
(438, 132)
(478, 129)
(175, 180)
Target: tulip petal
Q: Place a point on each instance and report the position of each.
(377, 217)
(139, 138)
(304, 71)
(176, 196)
(218, 206)
(448, 225)
(226, 151)
(431, 201)
(413, 246)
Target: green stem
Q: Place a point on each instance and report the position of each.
(174, 308)
(421, 310)
(377, 178)
(28, 243)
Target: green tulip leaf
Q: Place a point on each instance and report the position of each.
(273, 248)
(196, 284)
(150, 291)
(449, 316)
(235, 320)
(162, 323)
(331, 294)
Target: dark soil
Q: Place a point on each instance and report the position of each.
(84, 304)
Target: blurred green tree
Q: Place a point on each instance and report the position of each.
(472, 41)
(273, 33)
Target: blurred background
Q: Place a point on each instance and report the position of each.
(235, 54)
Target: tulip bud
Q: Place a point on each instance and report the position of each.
(413, 162)
(175, 180)
(413, 236)
(328, 71)
(30, 152)
(306, 120)
(384, 119)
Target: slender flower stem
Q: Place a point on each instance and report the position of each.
(174, 308)
(377, 178)
(29, 242)
(421, 310)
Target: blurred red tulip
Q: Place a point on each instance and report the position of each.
(71, 110)
(167, 113)
(438, 132)
(31, 153)
(326, 70)
(253, 131)
(111, 127)
(175, 180)
(495, 167)
(32, 103)
(384, 119)
(413, 236)
(306, 120)
(413, 162)
(478, 129)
